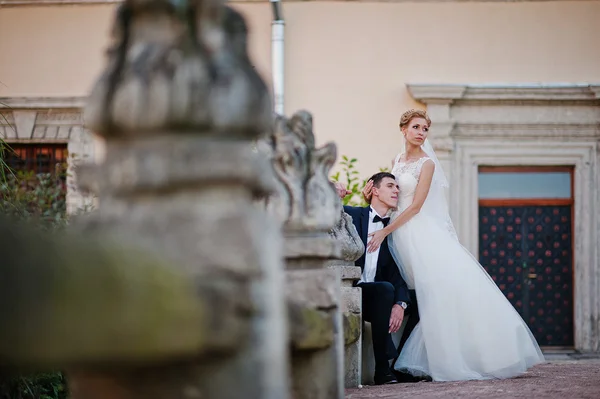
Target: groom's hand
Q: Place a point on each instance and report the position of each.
(396, 318)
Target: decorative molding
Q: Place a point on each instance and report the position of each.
(17, 3)
(583, 157)
(41, 119)
(450, 93)
(41, 102)
(527, 130)
(24, 123)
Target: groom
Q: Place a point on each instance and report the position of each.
(386, 299)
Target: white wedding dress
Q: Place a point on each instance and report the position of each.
(468, 330)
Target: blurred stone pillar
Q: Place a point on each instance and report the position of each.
(179, 106)
(308, 207)
(352, 247)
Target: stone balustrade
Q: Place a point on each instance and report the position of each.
(193, 306)
(352, 246)
(178, 285)
(307, 205)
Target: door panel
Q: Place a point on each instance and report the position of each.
(528, 252)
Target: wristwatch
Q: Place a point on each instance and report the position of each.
(403, 305)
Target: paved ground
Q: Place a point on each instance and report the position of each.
(572, 379)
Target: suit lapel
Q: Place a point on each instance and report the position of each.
(364, 221)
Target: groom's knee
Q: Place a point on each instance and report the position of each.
(386, 291)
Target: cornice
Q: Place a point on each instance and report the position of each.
(17, 3)
(449, 93)
(522, 130)
(8, 103)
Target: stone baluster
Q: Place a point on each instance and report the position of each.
(308, 207)
(179, 106)
(352, 246)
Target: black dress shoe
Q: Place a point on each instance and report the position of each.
(385, 379)
(403, 377)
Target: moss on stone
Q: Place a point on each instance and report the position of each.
(66, 299)
(310, 329)
(352, 326)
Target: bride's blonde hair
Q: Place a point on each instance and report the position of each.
(411, 114)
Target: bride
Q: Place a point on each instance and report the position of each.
(468, 330)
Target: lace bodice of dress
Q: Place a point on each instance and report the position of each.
(407, 175)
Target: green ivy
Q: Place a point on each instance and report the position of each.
(38, 386)
(40, 199)
(350, 176)
(37, 198)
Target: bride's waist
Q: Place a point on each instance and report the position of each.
(422, 215)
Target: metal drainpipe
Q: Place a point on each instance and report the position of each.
(277, 56)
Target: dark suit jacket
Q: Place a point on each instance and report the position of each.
(387, 270)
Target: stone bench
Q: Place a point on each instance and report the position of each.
(368, 358)
(359, 358)
(352, 318)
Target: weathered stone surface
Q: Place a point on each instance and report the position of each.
(310, 328)
(166, 73)
(351, 244)
(315, 375)
(307, 206)
(351, 300)
(179, 106)
(352, 327)
(349, 274)
(64, 299)
(299, 249)
(345, 234)
(352, 349)
(313, 288)
(305, 199)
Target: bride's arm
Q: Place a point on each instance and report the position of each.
(415, 207)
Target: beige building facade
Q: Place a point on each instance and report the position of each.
(513, 89)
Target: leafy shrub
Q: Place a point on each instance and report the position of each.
(353, 182)
(40, 199)
(39, 386)
(37, 198)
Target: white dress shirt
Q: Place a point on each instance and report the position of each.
(370, 269)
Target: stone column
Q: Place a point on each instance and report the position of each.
(352, 247)
(179, 106)
(81, 150)
(308, 207)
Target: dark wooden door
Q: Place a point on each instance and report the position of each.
(527, 250)
(526, 245)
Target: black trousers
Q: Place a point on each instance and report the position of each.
(377, 302)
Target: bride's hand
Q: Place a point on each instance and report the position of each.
(376, 240)
(368, 191)
(341, 189)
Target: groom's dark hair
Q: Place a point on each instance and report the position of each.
(378, 177)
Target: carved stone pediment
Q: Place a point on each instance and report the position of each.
(351, 244)
(184, 77)
(305, 199)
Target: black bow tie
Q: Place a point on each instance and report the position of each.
(385, 221)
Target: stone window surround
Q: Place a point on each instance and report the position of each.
(555, 124)
(63, 123)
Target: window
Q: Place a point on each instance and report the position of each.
(37, 158)
(525, 182)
